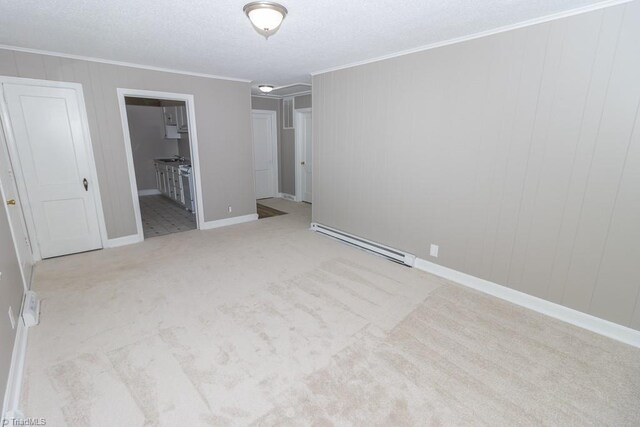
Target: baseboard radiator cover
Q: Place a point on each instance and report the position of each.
(390, 253)
(583, 320)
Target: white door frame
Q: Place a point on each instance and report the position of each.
(274, 134)
(297, 114)
(188, 99)
(12, 227)
(13, 154)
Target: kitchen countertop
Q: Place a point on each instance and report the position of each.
(186, 162)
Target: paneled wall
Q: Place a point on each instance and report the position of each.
(518, 154)
(223, 125)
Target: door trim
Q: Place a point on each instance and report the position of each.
(12, 227)
(188, 99)
(297, 114)
(13, 154)
(276, 157)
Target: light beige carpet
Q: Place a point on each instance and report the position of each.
(267, 323)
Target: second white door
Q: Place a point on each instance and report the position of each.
(265, 154)
(52, 151)
(14, 212)
(306, 162)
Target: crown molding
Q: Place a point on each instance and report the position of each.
(120, 63)
(528, 23)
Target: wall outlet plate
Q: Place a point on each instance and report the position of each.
(31, 309)
(433, 251)
(12, 318)
(230, 209)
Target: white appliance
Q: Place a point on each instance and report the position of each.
(186, 175)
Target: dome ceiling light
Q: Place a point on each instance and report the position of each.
(265, 88)
(265, 16)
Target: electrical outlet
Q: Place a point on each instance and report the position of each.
(230, 209)
(433, 251)
(12, 318)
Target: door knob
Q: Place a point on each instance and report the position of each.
(11, 201)
(302, 163)
(86, 184)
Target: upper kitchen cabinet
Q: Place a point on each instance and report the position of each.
(183, 121)
(170, 114)
(176, 115)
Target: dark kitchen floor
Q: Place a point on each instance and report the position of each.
(161, 216)
(267, 211)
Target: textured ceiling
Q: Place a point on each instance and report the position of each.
(214, 36)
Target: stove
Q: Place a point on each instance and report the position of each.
(186, 175)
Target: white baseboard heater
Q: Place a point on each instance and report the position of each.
(392, 254)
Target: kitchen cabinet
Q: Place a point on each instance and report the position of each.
(170, 114)
(169, 182)
(159, 177)
(170, 117)
(176, 115)
(182, 119)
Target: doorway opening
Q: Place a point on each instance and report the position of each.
(265, 153)
(264, 129)
(162, 155)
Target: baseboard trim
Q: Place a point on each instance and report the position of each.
(123, 241)
(151, 192)
(557, 311)
(208, 225)
(287, 196)
(11, 401)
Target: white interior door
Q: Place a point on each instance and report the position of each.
(14, 212)
(307, 158)
(56, 167)
(265, 153)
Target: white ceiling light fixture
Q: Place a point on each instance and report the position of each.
(265, 16)
(265, 88)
